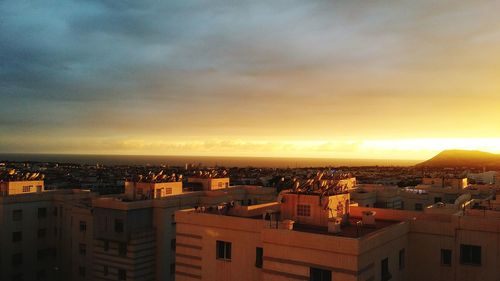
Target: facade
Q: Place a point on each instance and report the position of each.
(209, 183)
(78, 235)
(135, 239)
(452, 183)
(484, 177)
(37, 237)
(318, 237)
(151, 190)
(16, 187)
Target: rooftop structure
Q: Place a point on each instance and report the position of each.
(208, 180)
(13, 182)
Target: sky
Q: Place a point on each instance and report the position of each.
(334, 79)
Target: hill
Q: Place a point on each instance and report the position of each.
(463, 158)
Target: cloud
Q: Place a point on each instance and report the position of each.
(334, 71)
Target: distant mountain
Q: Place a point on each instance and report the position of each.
(463, 158)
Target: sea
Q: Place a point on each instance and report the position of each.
(205, 161)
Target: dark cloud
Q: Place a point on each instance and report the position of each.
(227, 67)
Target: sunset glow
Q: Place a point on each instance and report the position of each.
(363, 80)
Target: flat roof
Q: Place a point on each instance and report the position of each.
(352, 230)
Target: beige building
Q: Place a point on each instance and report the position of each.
(39, 238)
(432, 191)
(77, 235)
(444, 182)
(309, 236)
(209, 183)
(134, 239)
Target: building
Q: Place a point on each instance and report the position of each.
(484, 177)
(134, 235)
(39, 237)
(78, 235)
(446, 182)
(431, 191)
(322, 235)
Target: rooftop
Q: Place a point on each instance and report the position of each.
(354, 229)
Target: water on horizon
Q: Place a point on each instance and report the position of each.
(203, 160)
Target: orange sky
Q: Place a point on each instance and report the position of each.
(384, 79)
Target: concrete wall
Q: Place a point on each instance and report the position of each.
(21, 187)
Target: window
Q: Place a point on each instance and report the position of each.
(42, 213)
(318, 274)
(445, 257)
(41, 275)
(219, 184)
(223, 250)
(17, 277)
(173, 220)
(122, 249)
(105, 270)
(401, 259)
(81, 271)
(83, 226)
(42, 233)
(259, 252)
(173, 244)
(470, 254)
(17, 259)
(42, 254)
(17, 236)
(82, 248)
(27, 188)
(384, 270)
(118, 225)
(418, 207)
(303, 210)
(172, 268)
(122, 274)
(17, 215)
(168, 190)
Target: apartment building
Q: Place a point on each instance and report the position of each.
(432, 191)
(134, 235)
(322, 236)
(78, 235)
(36, 237)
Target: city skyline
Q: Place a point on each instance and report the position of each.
(390, 80)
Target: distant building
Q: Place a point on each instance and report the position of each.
(444, 182)
(483, 178)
